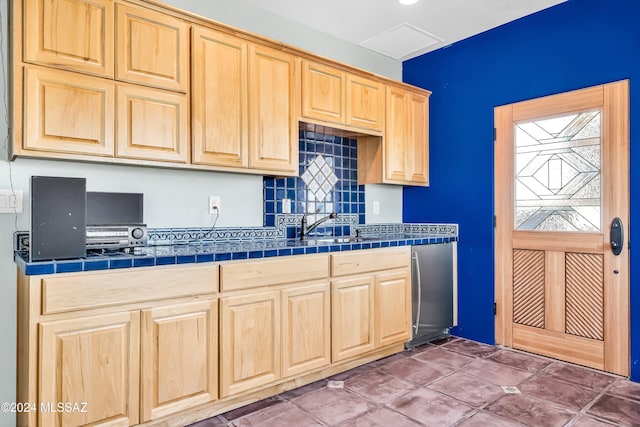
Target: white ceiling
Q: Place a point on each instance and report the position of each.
(403, 32)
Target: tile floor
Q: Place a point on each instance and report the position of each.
(451, 382)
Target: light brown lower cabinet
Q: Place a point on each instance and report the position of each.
(179, 358)
(92, 363)
(353, 317)
(392, 308)
(271, 335)
(158, 345)
(370, 312)
(249, 341)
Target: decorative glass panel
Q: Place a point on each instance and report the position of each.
(557, 173)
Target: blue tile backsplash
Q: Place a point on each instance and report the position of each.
(346, 198)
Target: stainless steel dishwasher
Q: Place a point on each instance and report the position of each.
(433, 291)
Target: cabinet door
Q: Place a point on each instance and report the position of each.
(93, 360)
(152, 48)
(77, 34)
(306, 329)
(365, 103)
(249, 341)
(273, 119)
(219, 99)
(323, 92)
(179, 359)
(352, 317)
(418, 147)
(152, 124)
(393, 308)
(66, 112)
(396, 135)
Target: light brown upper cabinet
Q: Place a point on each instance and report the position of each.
(219, 99)
(365, 103)
(73, 34)
(152, 124)
(244, 104)
(401, 156)
(152, 48)
(323, 92)
(68, 113)
(273, 124)
(334, 96)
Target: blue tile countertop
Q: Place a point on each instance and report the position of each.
(236, 249)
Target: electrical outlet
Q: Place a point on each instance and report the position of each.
(10, 201)
(214, 204)
(376, 207)
(286, 206)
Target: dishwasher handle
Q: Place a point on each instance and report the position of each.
(416, 260)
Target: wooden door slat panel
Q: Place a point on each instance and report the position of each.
(584, 295)
(528, 288)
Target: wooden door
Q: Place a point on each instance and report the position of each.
(75, 34)
(66, 112)
(306, 329)
(219, 99)
(179, 358)
(250, 345)
(352, 321)
(152, 48)
(365, 103)
(273, 117)
(323, 92)
(392, 308)
(396, 136)
(562, 176)
(94, 360)
(418, 142)
(152, 124)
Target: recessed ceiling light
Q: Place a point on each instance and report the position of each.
(407, 2)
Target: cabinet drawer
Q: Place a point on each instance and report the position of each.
(370, 260)
(79, 291)
(275, 271)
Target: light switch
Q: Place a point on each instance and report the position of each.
(376, 207)
(10, 201)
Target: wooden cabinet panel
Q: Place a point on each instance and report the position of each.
(323, 92)
(152, 48)
(352, 318)
(418, 146)
(273, 271)
(396, 137)
(68, 113)
(94, 360)
(365, 103)
(87, 290)
(77, 34)
(273, 119)
(306, 339)
(354, 262)
(406, 140)
(393, 308)
(250, 345)
(219, 99)
(152, 124)
(179, 358)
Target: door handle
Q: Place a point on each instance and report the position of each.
(616, 236)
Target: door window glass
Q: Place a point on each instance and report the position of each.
(557, 179)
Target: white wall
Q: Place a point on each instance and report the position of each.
(173, 198)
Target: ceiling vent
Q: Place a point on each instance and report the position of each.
(401, 42)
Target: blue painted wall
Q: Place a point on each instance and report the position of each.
(576, 44)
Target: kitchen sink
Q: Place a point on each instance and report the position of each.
(344, 239)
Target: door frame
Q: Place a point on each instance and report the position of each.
(615, 130)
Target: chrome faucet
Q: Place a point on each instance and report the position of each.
(306, 229)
